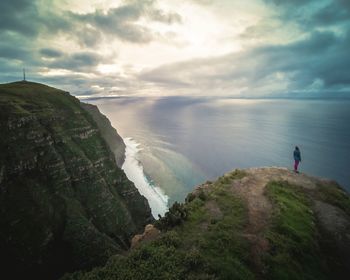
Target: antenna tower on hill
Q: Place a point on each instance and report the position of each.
(24, 74)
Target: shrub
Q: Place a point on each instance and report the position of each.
(175, 216)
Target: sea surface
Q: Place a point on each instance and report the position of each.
(176, 143)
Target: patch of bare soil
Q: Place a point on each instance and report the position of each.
(150, 233)
(252, 189)
(213, 209)
(214, 212)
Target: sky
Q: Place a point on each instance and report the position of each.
(252, 48)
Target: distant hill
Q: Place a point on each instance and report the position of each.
(64, 203)
(259, 223)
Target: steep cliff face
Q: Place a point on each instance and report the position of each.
(64, 204)
(258, 223)
(109, 133)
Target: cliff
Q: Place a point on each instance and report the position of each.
(64, 203)
(259, 223)
(109, 133)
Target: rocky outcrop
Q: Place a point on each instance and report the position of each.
(64, 203)
(150, 233)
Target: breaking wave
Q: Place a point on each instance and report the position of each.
(133, 169)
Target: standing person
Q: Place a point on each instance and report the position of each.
(297, 158)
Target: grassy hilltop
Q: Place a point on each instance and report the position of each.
(266, 223)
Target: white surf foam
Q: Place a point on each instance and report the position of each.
(133, 169)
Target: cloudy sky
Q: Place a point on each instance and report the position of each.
(237, 48)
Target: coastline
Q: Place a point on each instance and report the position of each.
(133, 169)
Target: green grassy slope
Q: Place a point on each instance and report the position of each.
(206, 238)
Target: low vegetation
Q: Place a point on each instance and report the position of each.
(197, 242)
(294, 250)
(333, 194)
(205, 238)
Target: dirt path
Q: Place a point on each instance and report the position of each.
(251, 188)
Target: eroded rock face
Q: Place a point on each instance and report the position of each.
(64, 203)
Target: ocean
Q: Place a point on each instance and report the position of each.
(176, 143)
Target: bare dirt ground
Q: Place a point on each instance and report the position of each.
(252, 189)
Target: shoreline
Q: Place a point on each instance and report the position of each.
(133, 169)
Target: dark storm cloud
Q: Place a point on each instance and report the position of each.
(17, 50)
(21, 24)
(333, 13)
(10, 52)
(87, 36)
(25, 18)
(321, 58)
(76, 61)
(28, 27)
(289, 2)
(122, 21)
(119, 22)
(313, 13)
(319, 61)
(52, 53)
(7, 66)
(19, 16)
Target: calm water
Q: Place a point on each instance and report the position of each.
(185, 141)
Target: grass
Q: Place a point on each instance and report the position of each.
(294, 252)
(218, 240)
(196, 246)
(227, 178)
(223, 247)
(334, 195)
(28, 96)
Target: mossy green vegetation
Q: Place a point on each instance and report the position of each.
(228, 177)
(201, 240)
(216, 220)
(300, 246)
(294, 251)
(333, 194)
(160, 260)
(205, 238)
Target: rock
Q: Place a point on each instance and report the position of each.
(151, 233)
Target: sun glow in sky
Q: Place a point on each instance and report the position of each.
(171, 47)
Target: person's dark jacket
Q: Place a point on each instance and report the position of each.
(297, 155)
